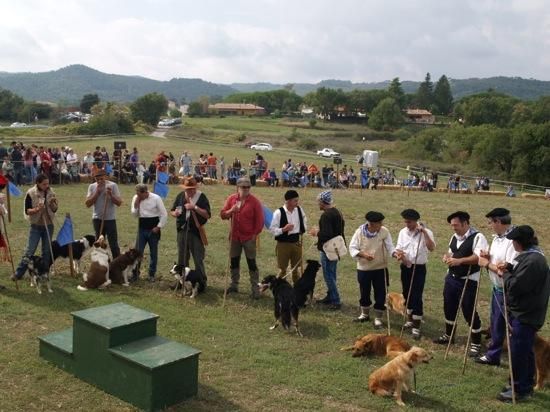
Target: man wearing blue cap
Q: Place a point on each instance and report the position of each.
(331, 224)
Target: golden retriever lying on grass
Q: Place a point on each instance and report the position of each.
(379, 345)
(395, 376)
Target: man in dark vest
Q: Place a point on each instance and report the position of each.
(288, 225)
(462, 260)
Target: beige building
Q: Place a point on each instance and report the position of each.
(236, 109)
(420, 116)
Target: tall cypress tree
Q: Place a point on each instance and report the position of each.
(424, 95)
(443, 98)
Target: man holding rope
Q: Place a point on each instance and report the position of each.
(40, 206)
(104, 196)
(191, 209)
(462, 278)
(413, 244)
(501, 251)
(527, 288)
(288, 225)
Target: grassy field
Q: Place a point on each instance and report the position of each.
(244, 365)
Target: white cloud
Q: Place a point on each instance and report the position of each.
(279, 41)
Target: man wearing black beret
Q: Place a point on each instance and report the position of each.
(413, 244)
(501, 251)
(288, 225)
(527, 288)
(370, 245)
(462, 275)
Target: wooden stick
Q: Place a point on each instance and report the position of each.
(49, 239)
(410, 285)
(508, 343)
(102, 224)
(8, 199)
(470, 329)
(9, 250)
(386, 280)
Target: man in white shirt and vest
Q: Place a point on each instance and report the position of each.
(288, 225)
(149, 209)
(501, 251)
(462, 258)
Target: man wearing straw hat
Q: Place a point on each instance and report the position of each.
(191, 208)
(39, 209)
(288, 225)
(413, 244)
(104, 196)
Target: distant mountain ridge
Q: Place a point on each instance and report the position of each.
(70, 83)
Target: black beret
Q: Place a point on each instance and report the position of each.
(523, 232)
(374, 216)
(410, 214)
(460, 214)
(498, 212)
(291, 194)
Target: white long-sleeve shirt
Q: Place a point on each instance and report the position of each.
(292, 217)
(407, 241)
(151, 206)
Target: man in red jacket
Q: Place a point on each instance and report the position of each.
(247, 221)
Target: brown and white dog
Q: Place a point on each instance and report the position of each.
(542, 360)
(395, 376)
(396, 302)
(378, 344)
(98, 273)
(121, 267)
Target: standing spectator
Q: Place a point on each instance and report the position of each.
(331, 224)
(186, 162)
(211, 162)
(527, 286)
(413, 245)
(28, 162)
(40, 205)
(88, 162)
(288, 225)
(222, 168)
(371, 246)
(45, 162)
(152, 215)
(462, 260)
(247, 220)
(17, 161)
(104, 196)
(190, 207)
(72, 165)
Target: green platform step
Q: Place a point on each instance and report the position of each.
(115, 347)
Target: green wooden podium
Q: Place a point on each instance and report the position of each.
(115, 347)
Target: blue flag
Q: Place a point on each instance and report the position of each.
(65, 234)
(161, 189)
(268, 216)
(108, 168)
(14, 190)
(364, 179)
(162, 177)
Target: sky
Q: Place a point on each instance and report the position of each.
(280, 41)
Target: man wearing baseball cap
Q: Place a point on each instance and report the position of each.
(288, 225)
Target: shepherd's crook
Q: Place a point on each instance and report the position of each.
(386, 281)
(9, 249)
(508, 343)
(410, 285)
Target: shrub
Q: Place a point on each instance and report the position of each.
(308, 144)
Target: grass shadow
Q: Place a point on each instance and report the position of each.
(208, 399)
(60, 300)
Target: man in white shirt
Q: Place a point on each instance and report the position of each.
(462, 260)
(413, 244)
(150, 210)
(288, 225)
(501, 251)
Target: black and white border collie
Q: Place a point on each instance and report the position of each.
(285, 308)
(39, 272)
(189, 279)
(80, 248)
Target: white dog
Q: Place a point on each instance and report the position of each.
(98, 274)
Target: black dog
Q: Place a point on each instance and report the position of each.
(80, 247)
(305, 286)
(190, 280)
(39, 272)
(285, 310)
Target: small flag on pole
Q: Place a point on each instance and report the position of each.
(161, 189)
(268, 216)
(162, 177)
(14, 190)
(65, 235)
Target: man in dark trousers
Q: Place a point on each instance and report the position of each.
(190, 207)
(331, 224)
(288, 225)
(462, 260)
(527, 288)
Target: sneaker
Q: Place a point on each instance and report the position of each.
(232, 289)
(443, 340)
(416, 334)
(506, 396)
(475, 350)
(378, 324)
(362, 318)
(484, 360)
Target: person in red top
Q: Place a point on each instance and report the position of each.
(247, 221)
(211, 162)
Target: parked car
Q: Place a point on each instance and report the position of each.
(261, 146)
(18, 124)
(327, 152)
(169, 122)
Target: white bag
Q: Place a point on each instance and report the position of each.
(335, 248)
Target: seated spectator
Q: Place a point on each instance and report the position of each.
(510, 191)
(273, 178)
